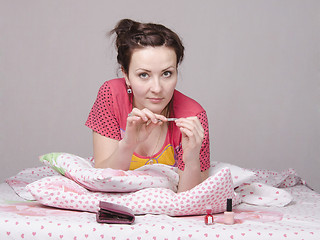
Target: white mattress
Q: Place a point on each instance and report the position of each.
(21, 219)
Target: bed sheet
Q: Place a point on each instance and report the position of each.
(22, 219)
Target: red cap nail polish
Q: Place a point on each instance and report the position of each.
(208, 218)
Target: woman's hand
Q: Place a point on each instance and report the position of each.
(192, 138)
(110, 153)
(140, 124)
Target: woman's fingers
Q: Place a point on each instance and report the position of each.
(191, 127)
(198, 126)
(140, 123)
(192, 132)
(147, 116)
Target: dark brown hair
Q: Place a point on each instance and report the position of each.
(131, 35)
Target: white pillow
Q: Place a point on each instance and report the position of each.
(264, 195)
(61, 192)
(239, 175)
(82, 171)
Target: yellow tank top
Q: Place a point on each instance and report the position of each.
(164, 156)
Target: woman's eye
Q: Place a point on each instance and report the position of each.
(143, 75)
(167, 74)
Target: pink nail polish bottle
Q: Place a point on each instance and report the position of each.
(228, 214)
(208, 218)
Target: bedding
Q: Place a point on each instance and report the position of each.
(64, 193)
(267, 205)
(23, 219)
(82, 171)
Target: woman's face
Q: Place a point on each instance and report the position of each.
(152, 77)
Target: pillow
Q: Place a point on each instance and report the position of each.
(239, 175)
(264, 195)
(285, 178)
(82, 171)
(61, 192)
(19, 182)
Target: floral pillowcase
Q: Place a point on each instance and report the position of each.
(81, 171)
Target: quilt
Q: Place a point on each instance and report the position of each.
(57, 201)
(71, 182)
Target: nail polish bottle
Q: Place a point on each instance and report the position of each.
(208, 218)
(228, 214)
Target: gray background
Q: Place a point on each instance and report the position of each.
(253, 65)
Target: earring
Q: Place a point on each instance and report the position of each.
(129, 90)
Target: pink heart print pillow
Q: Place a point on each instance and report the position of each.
(61, 192)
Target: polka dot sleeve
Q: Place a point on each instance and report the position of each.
(205, 148)
(101, 118)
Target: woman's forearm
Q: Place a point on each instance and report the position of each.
(189, 177)
(111, 153)
(119, 159)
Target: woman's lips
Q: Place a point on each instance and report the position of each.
(155, 100)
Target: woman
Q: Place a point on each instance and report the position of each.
(141, 119)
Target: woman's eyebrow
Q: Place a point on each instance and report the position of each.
(168, 68)
(142, 69)
(146, 70)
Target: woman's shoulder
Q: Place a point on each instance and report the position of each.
(184, 106)
(116, 84)
(114, 92)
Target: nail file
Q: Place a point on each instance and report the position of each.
(169, 119)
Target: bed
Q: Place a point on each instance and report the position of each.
(295, 215)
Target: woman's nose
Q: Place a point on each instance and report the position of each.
(156, 85)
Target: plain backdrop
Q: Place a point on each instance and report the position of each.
(253, 65)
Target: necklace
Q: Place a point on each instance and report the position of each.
(153, 152)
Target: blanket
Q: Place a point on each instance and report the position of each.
(71, 182)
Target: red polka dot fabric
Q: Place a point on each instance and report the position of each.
(102, 118)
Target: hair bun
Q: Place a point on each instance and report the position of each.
(124, 26)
